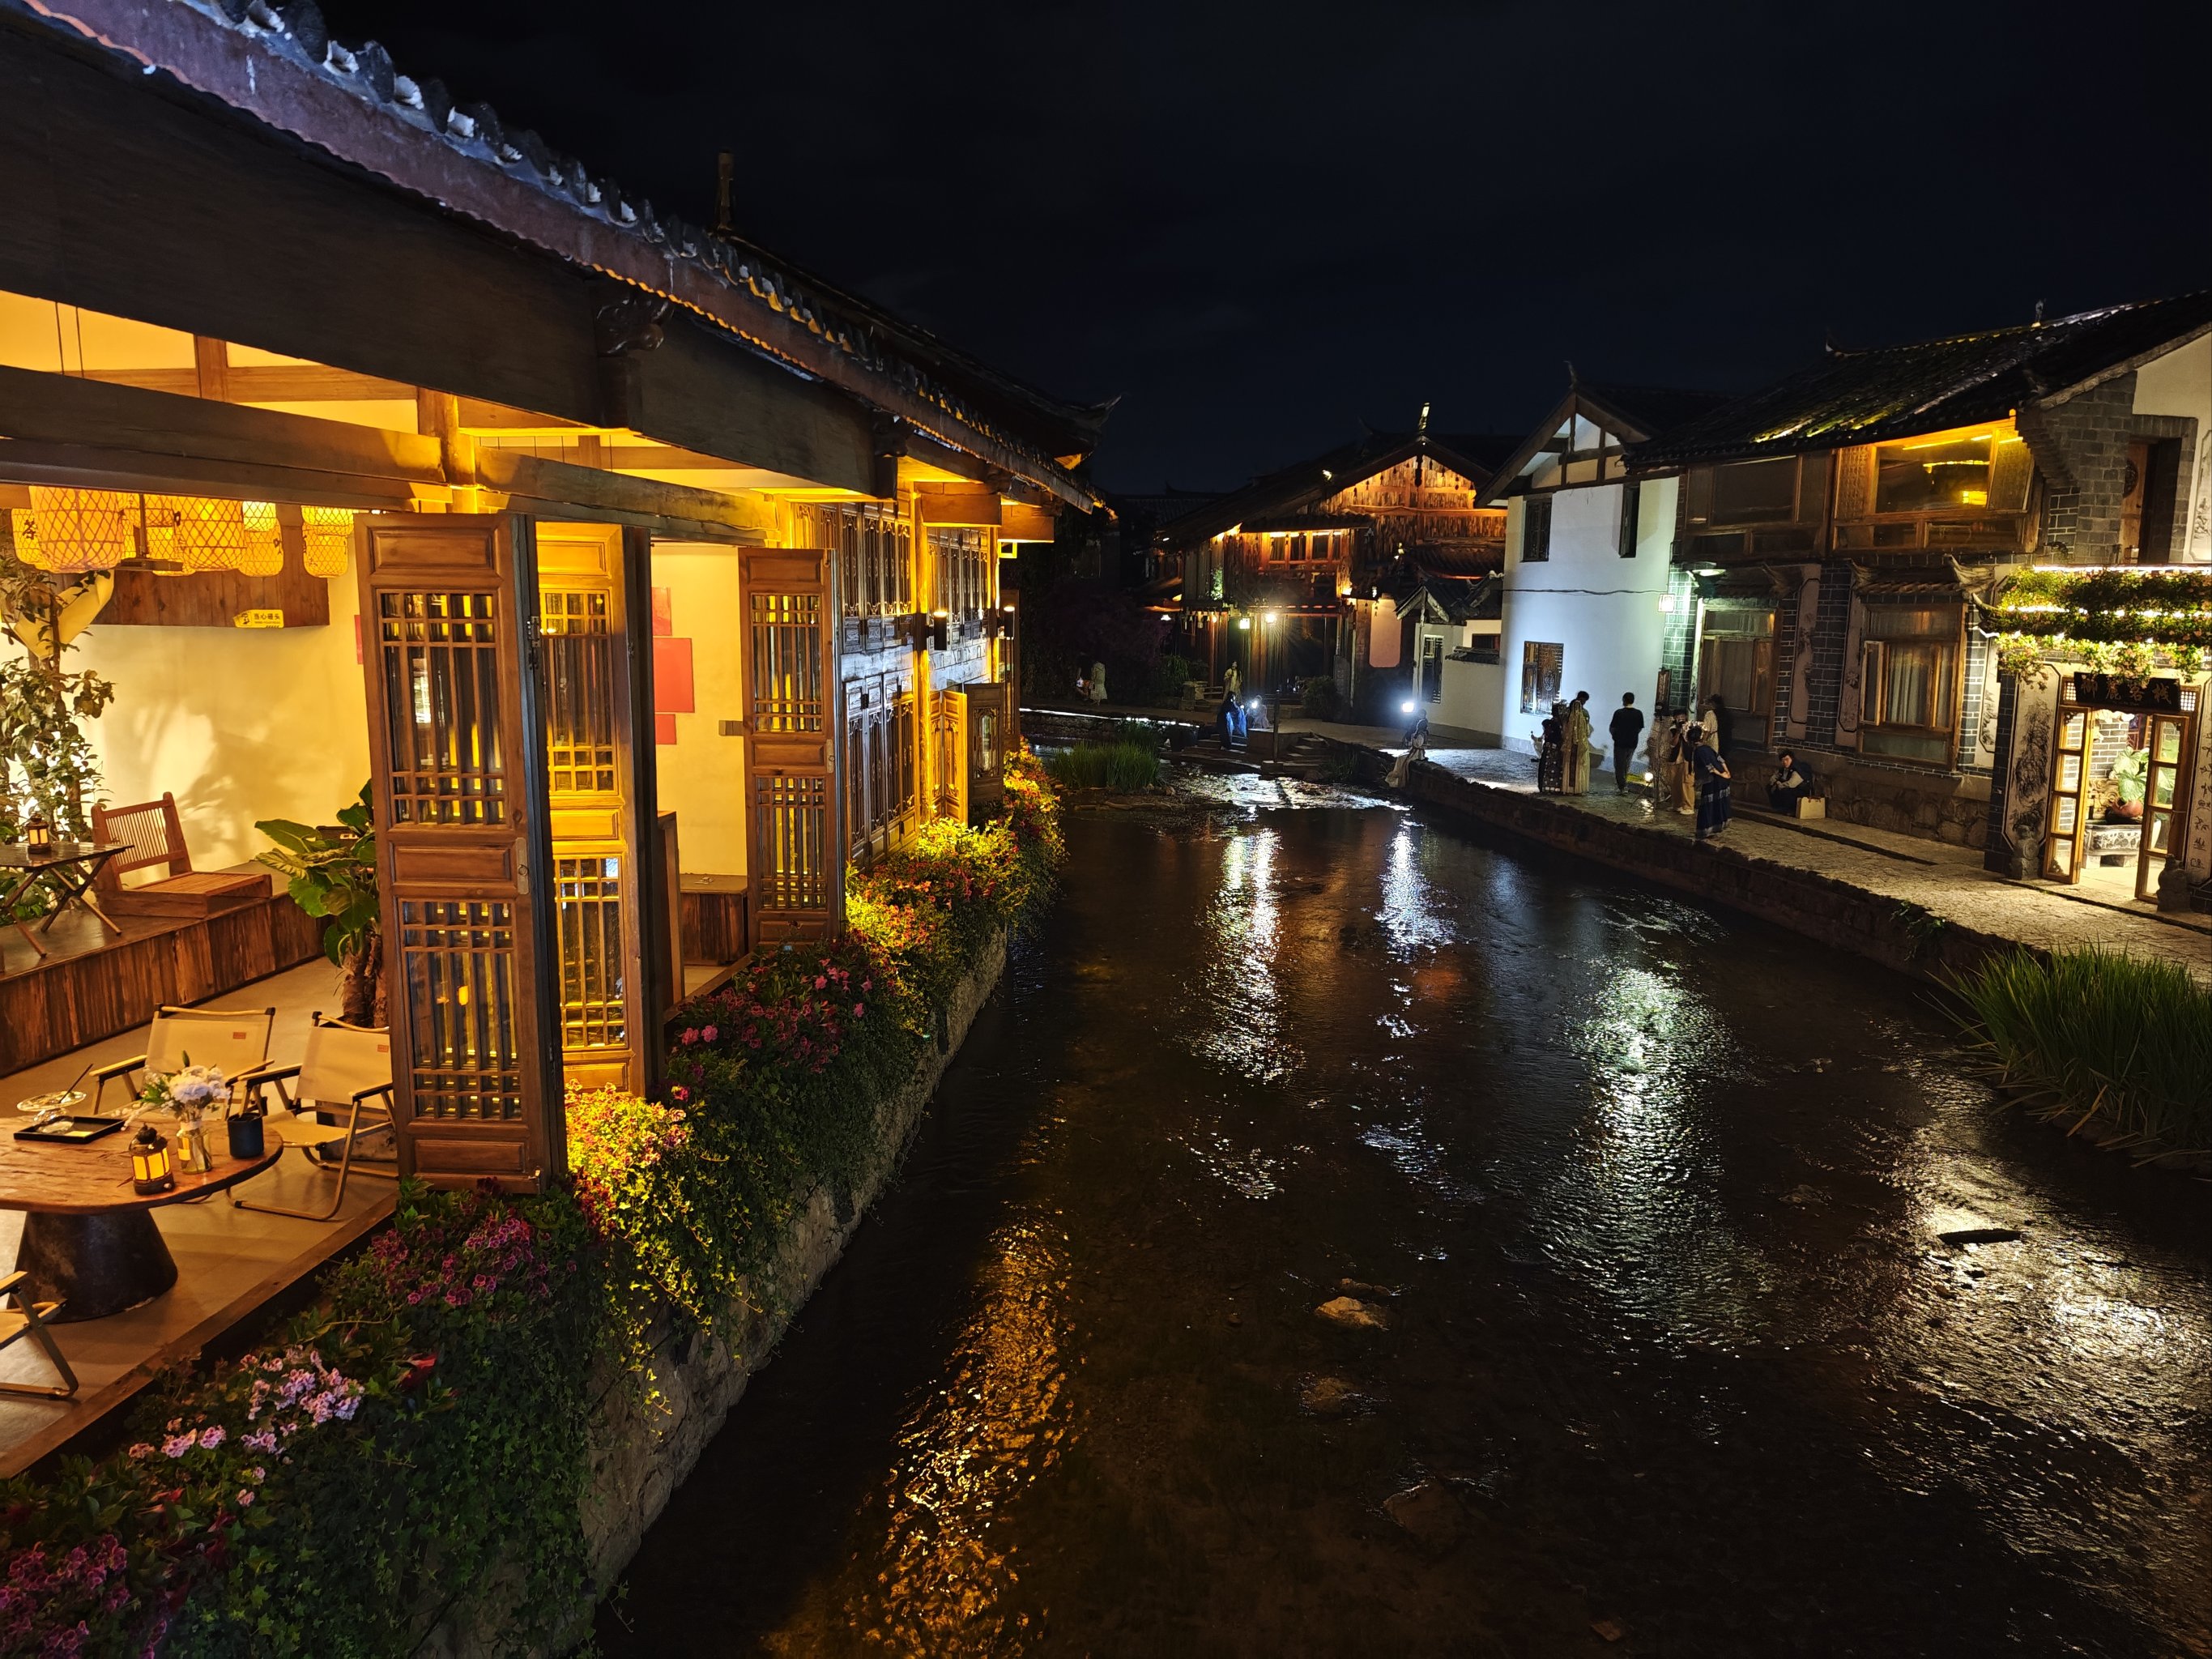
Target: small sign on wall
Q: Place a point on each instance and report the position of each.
(265, 617)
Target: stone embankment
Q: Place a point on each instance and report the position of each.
(1919, 906)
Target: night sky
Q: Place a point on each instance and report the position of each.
(1261, 226)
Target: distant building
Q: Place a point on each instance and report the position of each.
(1843, 545)
(1588, 549)
(1299, 573)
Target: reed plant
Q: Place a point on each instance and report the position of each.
(1122, 766)
(2098, 1037)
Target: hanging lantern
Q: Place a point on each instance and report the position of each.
(329, 534)
(264, 540)
(196, 532)
(70, 531)
(150, 1172)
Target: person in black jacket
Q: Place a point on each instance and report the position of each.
(1625, 726)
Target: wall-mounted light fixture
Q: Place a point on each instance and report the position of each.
(926, 630)
(1244, 621)
(1000, 622)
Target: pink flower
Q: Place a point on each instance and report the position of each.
(680, 1092)
(711, 1033)
(141, 1449)
(820, 981)
(688, 1036)
(245, 1496)
(178, 1444)
(858, 1010)
(211, 1437)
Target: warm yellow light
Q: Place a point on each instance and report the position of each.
(1974, 497)
(328, 534)
(264, 551)
(77, 530)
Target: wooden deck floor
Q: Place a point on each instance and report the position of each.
(234, 1264)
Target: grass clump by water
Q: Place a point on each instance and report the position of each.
(2099, 1036)
(1121, 766)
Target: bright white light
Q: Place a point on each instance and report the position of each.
(1406, 708)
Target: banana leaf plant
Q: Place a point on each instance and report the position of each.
(331, 872)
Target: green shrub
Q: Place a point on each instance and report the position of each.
(1318, 697)
(2097, 1034)
(1119, 767)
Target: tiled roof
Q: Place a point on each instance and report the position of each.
(1895, 392)
(1277, 496)
(1656, 410)
(238, 51)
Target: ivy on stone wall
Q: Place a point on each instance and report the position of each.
(2130, 621)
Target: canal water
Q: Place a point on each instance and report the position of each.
(1645, 1336)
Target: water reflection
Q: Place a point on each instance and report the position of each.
(1651, 1204)
(947, 1574)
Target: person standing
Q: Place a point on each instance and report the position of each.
(1720, 726)
(1654, 755)
(1681, 783)
(1711, 772)
(1233, 682)
(1575, 740)
(1097, 682)
(1551, 752)
(1625, 726)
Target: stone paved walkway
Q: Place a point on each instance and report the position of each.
(1948, 881)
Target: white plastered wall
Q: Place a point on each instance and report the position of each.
(241, 724)
(1602, 609)
(2180, 383)
(701, 775)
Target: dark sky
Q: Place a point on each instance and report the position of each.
(1261, 225)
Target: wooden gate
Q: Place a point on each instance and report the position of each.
(449, 620)
(796, 847)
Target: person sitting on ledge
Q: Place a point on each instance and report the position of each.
(1788, 784)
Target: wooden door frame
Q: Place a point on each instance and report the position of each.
(522, 1154)
(2183, 768)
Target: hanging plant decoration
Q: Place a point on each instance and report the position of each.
(2130, 621)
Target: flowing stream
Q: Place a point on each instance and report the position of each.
(1646, 1337)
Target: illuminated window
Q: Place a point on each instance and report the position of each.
(1984, 469)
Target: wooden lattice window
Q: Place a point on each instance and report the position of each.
(790, 821)
(580, 670)
(457, 956)
(587, 896)
(442, 706)
(786, 662)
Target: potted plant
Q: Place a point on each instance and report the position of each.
(2130, 774)
(331, 873)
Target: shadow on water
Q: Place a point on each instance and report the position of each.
(1644, 1327)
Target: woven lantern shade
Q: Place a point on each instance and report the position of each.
(77, 530)
(329, 534)
(265, 541)
(196, 532)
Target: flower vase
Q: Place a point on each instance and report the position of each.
(192, 1147)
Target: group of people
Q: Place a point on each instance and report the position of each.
(1688, 764)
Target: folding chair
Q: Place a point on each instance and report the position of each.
(235, 1039)
(347, 1068)
(156, 837)
(29, 1318)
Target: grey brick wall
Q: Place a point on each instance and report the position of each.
(2082, 446)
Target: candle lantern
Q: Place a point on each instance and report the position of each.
(150, 1163)
(38, 833)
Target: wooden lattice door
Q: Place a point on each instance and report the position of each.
(2168, 743)
(2069, 783)
(449, 615)
(598, 913)
(796, 846)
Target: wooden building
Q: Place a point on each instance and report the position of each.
(646, 577)
(1841, 538)
(1300, 573)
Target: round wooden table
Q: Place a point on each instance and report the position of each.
(89, 1241)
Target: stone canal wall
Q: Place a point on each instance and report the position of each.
(1899, 934)
(648, 1433)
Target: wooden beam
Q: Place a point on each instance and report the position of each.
(257, 383)
(528, 478)
(1019, 522)
(210, 369)
(86, 466)
(956, 504)
(61, 409)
